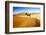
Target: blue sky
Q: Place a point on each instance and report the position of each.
(26, 9)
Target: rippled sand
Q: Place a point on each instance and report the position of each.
(22, 20)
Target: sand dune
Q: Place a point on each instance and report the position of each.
(22, 20)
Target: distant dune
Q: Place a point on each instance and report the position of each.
(26, 20)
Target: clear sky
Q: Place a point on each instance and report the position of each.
(26, 9)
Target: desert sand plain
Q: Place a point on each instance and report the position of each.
(26, 20)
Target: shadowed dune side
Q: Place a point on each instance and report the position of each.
(19, 21)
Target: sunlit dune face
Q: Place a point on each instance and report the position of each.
(26, 20)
